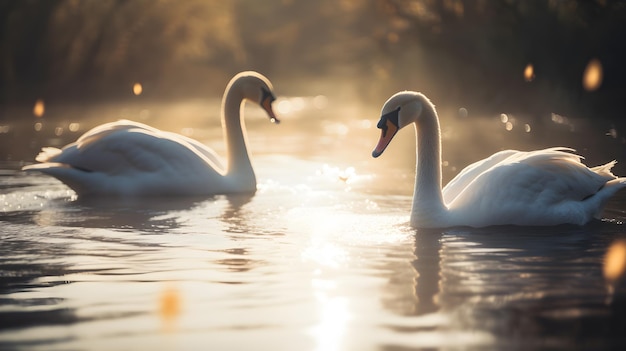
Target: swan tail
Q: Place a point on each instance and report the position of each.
(599, 200)
(605, 170)
(80, 180)
(47, 154)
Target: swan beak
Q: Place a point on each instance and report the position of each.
(266, 104)
(388, 126)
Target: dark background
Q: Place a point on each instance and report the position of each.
(469, 53)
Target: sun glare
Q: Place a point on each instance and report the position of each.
(334, 316)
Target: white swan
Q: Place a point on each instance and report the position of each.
(126, 158)
(543, 187)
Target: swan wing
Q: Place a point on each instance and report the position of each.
(128, 149)
(469, 173)
(200, 148)
(541, 187)
(105, 129)
(127, 158)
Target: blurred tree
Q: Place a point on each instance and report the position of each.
(478, 51)
(87, 48)
(461, 52)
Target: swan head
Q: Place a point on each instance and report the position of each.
(256, 88)
(400, 110)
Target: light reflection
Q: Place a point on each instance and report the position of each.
(325, 254)
(299, 103)
(334, 316)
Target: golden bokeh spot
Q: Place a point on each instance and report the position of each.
(39, 109)
(529, 72)
(615, 260)
(592, 77)
(137, 89)
(169, 303)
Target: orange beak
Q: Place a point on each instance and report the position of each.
(387, 133)
(266, 104)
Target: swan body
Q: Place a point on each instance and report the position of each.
(126, 158)
(536, 188)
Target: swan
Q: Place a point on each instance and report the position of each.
(535, 188)
(126, 158)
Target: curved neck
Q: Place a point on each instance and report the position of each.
(234, 135)
(427, 197)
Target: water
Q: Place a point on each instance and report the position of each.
(320, 258)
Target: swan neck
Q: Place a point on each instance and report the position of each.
(234, 133)
(427, 197)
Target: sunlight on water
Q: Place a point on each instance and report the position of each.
(320, 258)
(334, 316)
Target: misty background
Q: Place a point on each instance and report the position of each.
(473, 58)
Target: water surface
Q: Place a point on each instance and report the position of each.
(320, 258)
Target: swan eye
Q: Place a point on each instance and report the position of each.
(391, 117)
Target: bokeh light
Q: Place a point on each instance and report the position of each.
(529, 73)
(39, 109)
(615, 261)
(592, 77)
(137, 89)
(74, 127)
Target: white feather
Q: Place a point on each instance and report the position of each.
(542, 187)
(126, 158)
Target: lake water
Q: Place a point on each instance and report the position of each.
(320, 258)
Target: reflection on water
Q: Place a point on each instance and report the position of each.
(320, 258)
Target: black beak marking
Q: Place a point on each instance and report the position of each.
(266, 94)
(389, 116)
